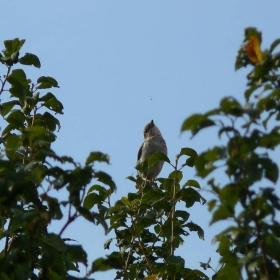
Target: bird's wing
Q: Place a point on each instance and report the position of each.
(140, 152)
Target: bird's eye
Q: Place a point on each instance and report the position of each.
(146, 130)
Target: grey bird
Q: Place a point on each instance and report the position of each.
(152, 144)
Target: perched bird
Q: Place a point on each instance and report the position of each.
(152, 144)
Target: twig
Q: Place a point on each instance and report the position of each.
(128, 257)
(5, 80)
(71, 218)
(141, 246)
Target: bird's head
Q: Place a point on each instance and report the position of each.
(151, 130)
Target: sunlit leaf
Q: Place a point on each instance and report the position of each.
(253, 50)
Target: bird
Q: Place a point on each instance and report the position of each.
(152, 144)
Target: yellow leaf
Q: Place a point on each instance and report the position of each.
(253, 50)
(151, 277)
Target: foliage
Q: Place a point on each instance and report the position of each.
(250, 247)
(29, 178)
(149, 225)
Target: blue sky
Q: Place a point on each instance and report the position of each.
(120, 64)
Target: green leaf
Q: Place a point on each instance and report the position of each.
(176, 260)
(167, 184)
(156, 157)
(54, 241)
(131, 178)
(7, 106)
(54, 105)
(271, 171)
(16, 118)
(223, 212)
(191, 153)
(100, 189)
(114, 260)
(54, 206)
(230, 106)
(125, 201)
(270, 140)
(229, 271)
(46, 97)
(17, 77)
(250, 90)
(105, 179)
(11, 52)
(204, 163)
(36, 131)
(91, 200)
(48, 121)
(178, 175)
(36, 172)
(187, 152)
(274, 45)
(182, 214)
(230, 195)
(227, 130)
(76, 253)
(46, 82)
(196, 122)
(270, 102)
(13, 46)
(191, 183)
(194, 227)
(8, 129)
(20, 85)
(30, 59)
(190, 196)
(97, 156)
